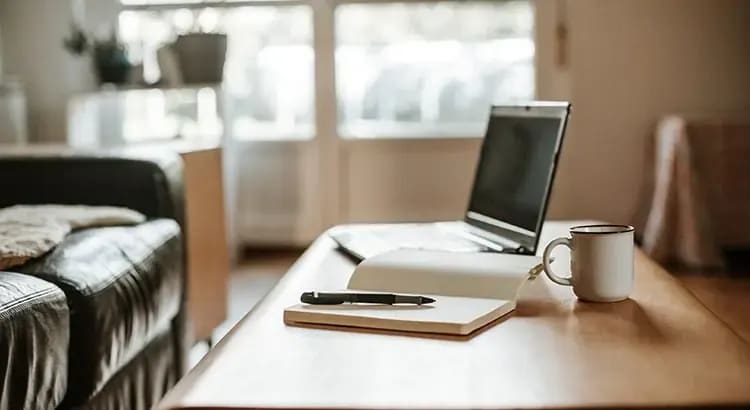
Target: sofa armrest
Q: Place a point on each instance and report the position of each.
(152, 186)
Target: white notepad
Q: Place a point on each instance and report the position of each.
(471, 290)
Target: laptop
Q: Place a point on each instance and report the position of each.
(508, 201)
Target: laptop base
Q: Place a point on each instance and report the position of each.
(364, 241)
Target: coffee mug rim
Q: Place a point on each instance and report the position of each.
(623, 229)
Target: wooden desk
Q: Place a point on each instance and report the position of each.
(660, 348)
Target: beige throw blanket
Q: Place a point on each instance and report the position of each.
(701, 198)
(29, 231)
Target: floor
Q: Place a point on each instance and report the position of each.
(727, 295)
(248, 283)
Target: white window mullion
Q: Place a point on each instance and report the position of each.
(326, 139)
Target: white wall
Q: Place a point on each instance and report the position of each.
(631, 62)
(1, 51)
(32, 33)
(277, 193)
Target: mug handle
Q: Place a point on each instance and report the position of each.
(546, 261)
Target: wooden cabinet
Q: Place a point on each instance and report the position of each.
(208, 252)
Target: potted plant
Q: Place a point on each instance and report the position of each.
(108, 55)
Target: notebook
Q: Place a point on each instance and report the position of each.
(470, 290)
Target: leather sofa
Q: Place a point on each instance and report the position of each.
(100, 321)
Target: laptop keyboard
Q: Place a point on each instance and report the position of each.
(427, 237)
(444, 236)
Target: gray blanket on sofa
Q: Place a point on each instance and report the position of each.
(29, 231)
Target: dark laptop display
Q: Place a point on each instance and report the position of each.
(514, 175)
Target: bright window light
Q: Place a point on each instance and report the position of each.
(268, 88)
(430, 69)
(402, 69)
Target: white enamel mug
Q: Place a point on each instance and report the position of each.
(601, 262)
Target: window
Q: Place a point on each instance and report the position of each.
(433, 69)
(402, 69)
(268, 74)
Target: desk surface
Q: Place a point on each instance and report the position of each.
(660, 348)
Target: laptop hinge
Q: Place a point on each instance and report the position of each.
(489, 239)
(506, 243)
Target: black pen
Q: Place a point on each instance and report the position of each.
(337, 298)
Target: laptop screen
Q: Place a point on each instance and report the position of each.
(515, 170)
